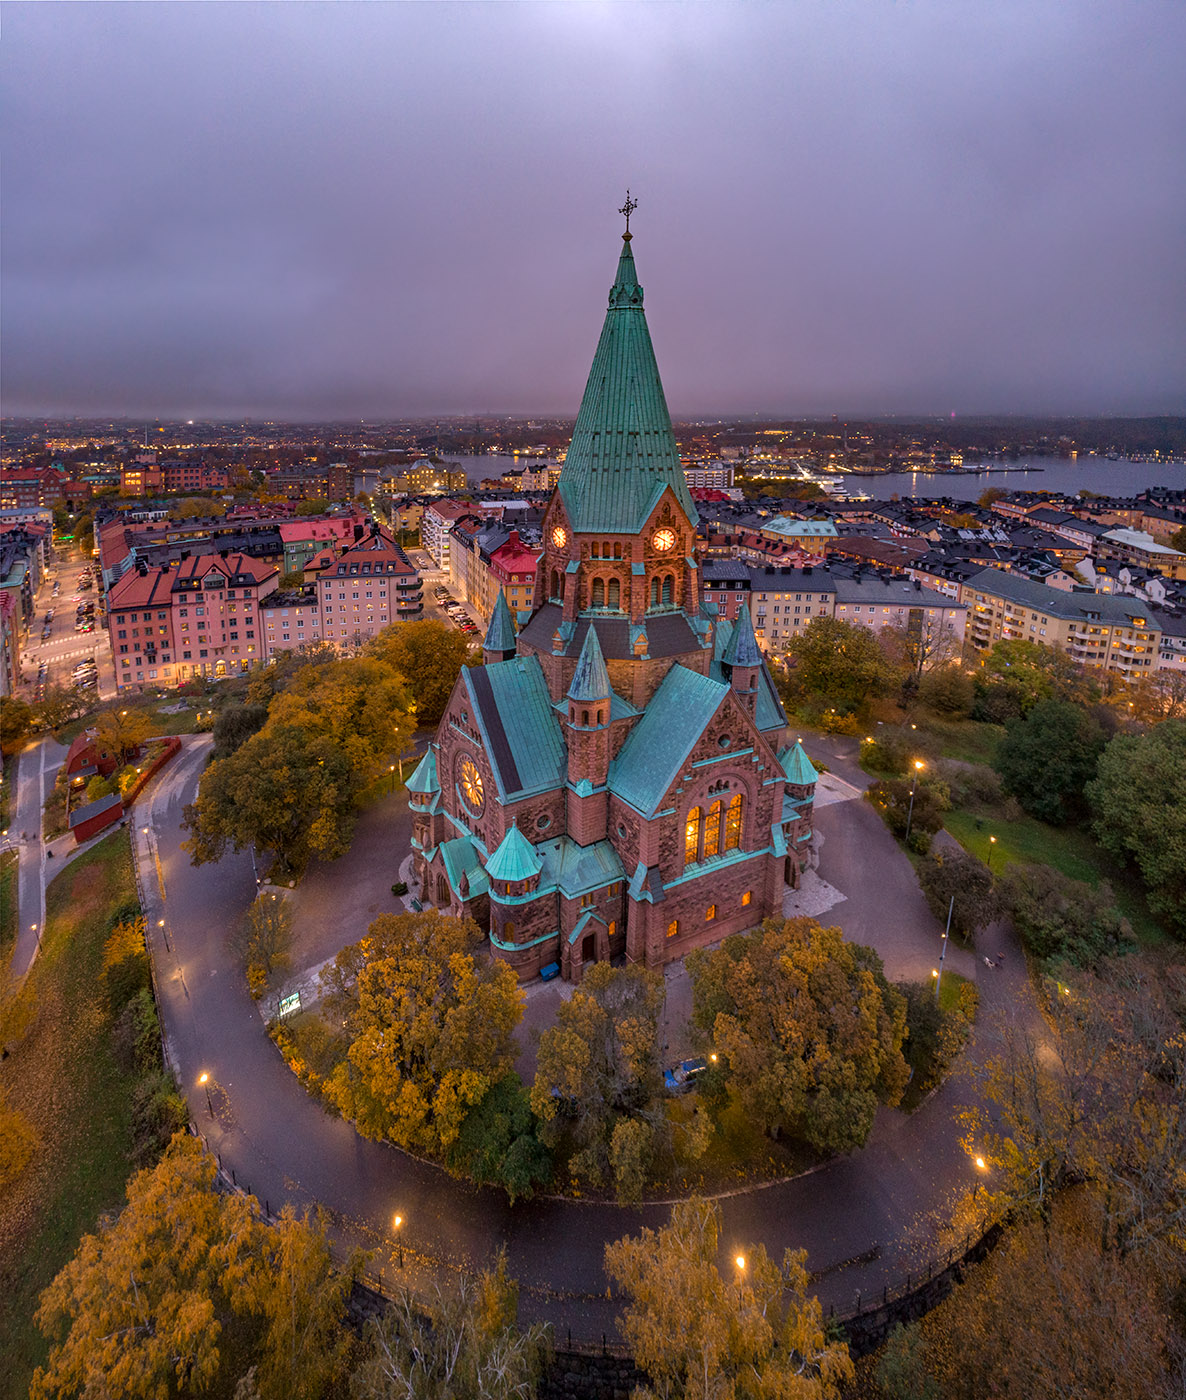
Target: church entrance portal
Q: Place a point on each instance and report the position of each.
(589, 949)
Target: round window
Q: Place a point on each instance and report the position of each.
(543, 821)
(724, 741)
(621, 831)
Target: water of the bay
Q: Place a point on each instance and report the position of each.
(1060, 474)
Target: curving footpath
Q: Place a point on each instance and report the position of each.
(864, 1220)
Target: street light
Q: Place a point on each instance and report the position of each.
(203, 1080)
(391, 770)
(918, 765)
(396, 1224)
(992, 842)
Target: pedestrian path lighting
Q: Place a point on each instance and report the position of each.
(938, 973)
(992, 845)
(397, 1223)
(918, 767)
(740, 1262)
(204, 1081)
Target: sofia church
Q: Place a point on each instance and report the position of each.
(609, 783)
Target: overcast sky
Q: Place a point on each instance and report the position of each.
(368, 210)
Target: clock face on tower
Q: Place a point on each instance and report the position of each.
(471, 786)
(559, 536)
(663, 539)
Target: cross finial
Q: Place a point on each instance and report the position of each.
(628, 208)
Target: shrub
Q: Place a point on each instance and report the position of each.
(935, 1036)
(956, 873)
(400, 887)
(947, 691)
(892, 800)
(1060, 919)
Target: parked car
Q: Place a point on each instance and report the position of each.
(680, 1078)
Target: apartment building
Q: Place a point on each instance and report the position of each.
(709, 476)
(1136, 547)
(783, 601)
(367, 588)
(198, 617)
(1107, 632)
(436, 526)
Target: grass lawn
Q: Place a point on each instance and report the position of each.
(1065, 848)
(968, 740)
(63, 1076)
(8, 911)
(161, 710)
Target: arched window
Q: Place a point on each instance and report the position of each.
(654, 593)
(673, 928)
(615, 593)
(747, 897)
(668, 589)
(585, 718)
(599, 593)
(692, 836)
(712, 830)
(618, 551)
(508, 932)
(555, 584)
(613, 928)
(733, 822)
(710, 913)
(442, 890)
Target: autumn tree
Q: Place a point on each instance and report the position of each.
(16, 720)
(430, 1029)
(928, 646)
(463, 1344)
(235, 725)
(989, 497)
(265, 941)
(700, 1336)
(598, 1077)
(140, 1306)
(1046, 759)
(59, 705)
(809, 1030)
(839, 664)
(1140, 814)
(954, 874)
(429, 656)
(121, 732)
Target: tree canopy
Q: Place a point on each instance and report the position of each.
(949, 874)
(809, 1030)
(429, 656)
(598, 1071)
(1140, 813)
(430, 1029)
(1018, 674)
(1046, 759)
(838, 664)
(16, 720)
(700, 1336)
(1063, 919)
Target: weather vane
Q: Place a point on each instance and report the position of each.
(628, 208)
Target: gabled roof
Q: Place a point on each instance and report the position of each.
(657, 747)
(742, 649)
(460, 858)
(797, 766)
(515, 858)
(623, 453)
(590, 680)
(521, 733)
(500, 635)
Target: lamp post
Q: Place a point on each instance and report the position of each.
(397, 1223)
(391, 770)
(918, 764)
(740, 1262)
(992, 845)
(943, 950)
(204, 1081)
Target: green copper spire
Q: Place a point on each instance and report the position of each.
(500, 635)
(424, 779)
(743, 645)
(515, 858)
(797, 766)
(590, 680)
(623, 450)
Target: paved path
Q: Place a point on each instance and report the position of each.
(285, 1147)
(36, 770)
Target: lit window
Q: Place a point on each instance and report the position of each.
(692, 835)
(712, 830)
(747, 897)
(711, 913)
(733, 823)
(673, 928)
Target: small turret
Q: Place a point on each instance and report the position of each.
(741, 663)
(499, 643)
(589, 694)
(589, 702)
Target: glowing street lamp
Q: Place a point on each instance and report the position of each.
(204, 1081)
(992, 845)
(397, 1223)
(918, 767)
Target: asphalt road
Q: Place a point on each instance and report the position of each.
(280, 1143)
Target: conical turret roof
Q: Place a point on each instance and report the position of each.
(515, 858)
(590, 680)
(424, 779)
(623, 451)
(797, 766)
(500, 635)
(743, 645)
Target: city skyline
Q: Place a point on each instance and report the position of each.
(329, 212)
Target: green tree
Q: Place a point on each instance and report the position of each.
(950, 874)
(16, 720)
(808, 1028)
(289, 582)
(499, 1144)
(1140, 814)
(1178, 539)
(235, 725)
(430, 1029)
(429, 656)
(265, 943)
(313, 506)
(139, 1307)
(920, 802)
(598, 1067)
(197, 508)
(1018, 674)
(59, 705)
(699, 1336)
(948, 690)
(1063, 919)
(462, 1346)
(1046, 759)
(838, 664)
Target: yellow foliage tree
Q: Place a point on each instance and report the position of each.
(699, 1336)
